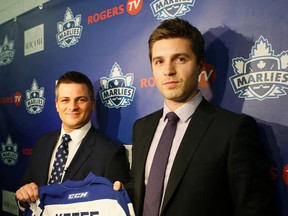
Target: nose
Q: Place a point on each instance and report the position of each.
(169, 69)
(73, 105)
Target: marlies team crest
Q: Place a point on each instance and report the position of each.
(70, 30)
(264, 75)
(117, 90)
(9, 154)
(35, 100)
(167, 9)
(7, 52)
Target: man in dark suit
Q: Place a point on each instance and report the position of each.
(88, 151)
(216, 164)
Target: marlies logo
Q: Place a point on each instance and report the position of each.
(35, 100)
(70, 30)
(167, 9)
(7, 52)
(9, 154)
(262, 76)
(117, 90)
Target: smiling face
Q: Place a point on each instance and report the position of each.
(175, 70)
(74, 105)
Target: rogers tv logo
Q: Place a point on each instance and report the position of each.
(133, 7)
(16, 99)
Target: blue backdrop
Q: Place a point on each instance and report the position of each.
(246, 71)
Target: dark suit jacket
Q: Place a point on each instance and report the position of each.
(96, 154)
(220, 167)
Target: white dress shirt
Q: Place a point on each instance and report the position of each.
(77, 136)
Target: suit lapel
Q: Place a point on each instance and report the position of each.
(46, 155)
(145, 133)
(192, 138)
(81, 155)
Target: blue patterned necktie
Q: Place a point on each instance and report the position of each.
(60, 160)
(154, 188)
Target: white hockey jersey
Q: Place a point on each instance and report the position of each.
(90, 197)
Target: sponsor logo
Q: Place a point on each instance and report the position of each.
(26, 151)
(78, 195)
(9, 203)
(164, 9)
(106, 14)
(17, 99)
(279, 173)
(7, 52)
(207, 76)
(70, 30)
(9, 154)
(133, 7)
(263, 75)
(117, 90)
(34, 40)
(35, 100)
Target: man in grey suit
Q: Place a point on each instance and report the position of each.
(216, 165)
(88, 151)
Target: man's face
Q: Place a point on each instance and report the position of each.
(74, 105)
(175, 70)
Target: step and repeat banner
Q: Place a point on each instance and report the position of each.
(246, 71)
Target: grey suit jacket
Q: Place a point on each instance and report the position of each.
(96, 154)
(219, 169)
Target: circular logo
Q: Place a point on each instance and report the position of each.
(133, 7)
(207, 76)
(17, 98)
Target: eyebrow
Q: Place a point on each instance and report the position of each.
(175, 55)
(65, 97)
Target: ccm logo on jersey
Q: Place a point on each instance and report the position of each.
(78, 195)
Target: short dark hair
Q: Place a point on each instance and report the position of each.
(75, 77)
(179, 28)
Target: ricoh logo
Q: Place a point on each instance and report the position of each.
(117, 90)
(7, 52)
(262, 76)
(70, 30)
(34, 40)
(163, 9)
(78, 195)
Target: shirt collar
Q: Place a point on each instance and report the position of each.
(185, 111)
(78, 134)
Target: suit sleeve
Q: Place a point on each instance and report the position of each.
(117, 168)
(248, 172)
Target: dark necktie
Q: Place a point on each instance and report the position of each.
(154, 188)
(60, 160)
